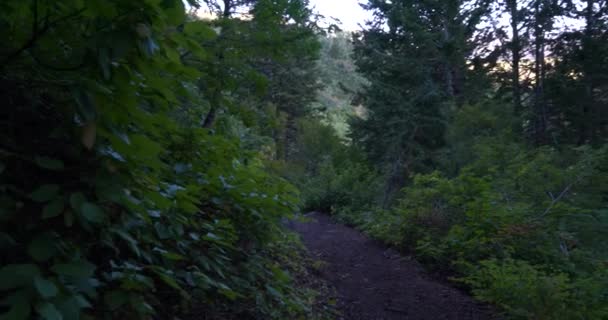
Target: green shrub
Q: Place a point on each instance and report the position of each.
(527, 292)
(331, 175)
(521, 289)
(526, 231)
(111, 208)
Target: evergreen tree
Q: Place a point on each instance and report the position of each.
(577, 83)
(414, 56)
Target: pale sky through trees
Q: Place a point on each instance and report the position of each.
(349, 12)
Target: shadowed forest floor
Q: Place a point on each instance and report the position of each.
(376, 283)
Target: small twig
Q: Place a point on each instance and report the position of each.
(555, 200)
(564, 248)
(38, 32)
(43, 64)
(6, 154)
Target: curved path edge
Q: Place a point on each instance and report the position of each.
(374, 282)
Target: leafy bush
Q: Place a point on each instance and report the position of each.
(111, 208)
(521, 289)
(331, 175)
(525, 227)
(336, 189)
(527, 292)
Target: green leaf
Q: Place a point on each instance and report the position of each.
(46, 288)
(77, 200)
(115, 299)
(175, 11)
(170, 281)
(148, 46)
(49, 163)
(103, 59)
(89, 135)
(131, 242)
(172, 256)
(20, 310)
(108, 191)
(68, 218)
(141, 307)
(82, 301)
(6, 241)
(48, 311)
(77, 269)
(42, 247)
(53, 209)
(228, 293)
(92, 212)
(103, 9)
(70, 307)
(200, 29)
(173, 55)
(45, 193)
(274, 292)
(85, 105)
(162, 231)
(17, 275)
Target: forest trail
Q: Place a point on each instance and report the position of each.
(376, 283)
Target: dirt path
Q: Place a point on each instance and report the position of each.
(376, 283)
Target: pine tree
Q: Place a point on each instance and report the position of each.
(414, 56)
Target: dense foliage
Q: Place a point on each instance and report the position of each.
(481, 148)
(132, 172)
(326, 168)
(148, 156)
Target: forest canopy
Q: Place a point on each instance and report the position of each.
(150, 154)
(132, 150)
(478, 142)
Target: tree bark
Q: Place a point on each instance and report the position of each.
(585, 127)
(515, 56)
(209, 120)
(540, 113)
(395, 181)
(227, 9)
(447, 65)
(290, 135)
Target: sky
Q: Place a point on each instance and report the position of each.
(347, 11)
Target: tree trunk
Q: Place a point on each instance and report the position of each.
(290, 135)
(395, 181)
(209, 120)
(227, 8)
(585, 126)
(515, 55)
(449, 80)
(447, 65)
(400, 169)
(540, 113)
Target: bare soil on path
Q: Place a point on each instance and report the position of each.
(373, 282)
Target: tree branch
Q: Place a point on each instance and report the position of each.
(555, 200)
(37, 32)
